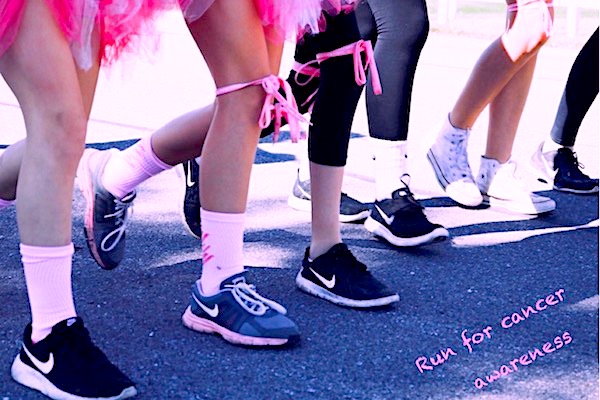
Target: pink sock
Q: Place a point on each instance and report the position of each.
(6, 203)
(48, 278)
(128, 168)
(222, 248)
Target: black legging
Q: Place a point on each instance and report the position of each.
(398, 30)
(338, 94)
(579, 94)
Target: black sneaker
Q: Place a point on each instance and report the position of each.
(191, 199)
(351, 210)
(337, 276)
(240, 315)
(105, 216)
(402, 222)
(569, 177)
(67, 365)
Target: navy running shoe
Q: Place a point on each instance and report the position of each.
(240, 315)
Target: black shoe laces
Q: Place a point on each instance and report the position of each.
(571, 165)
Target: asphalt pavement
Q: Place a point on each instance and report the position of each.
(494, 266)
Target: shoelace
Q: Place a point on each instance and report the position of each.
(407, 194)
(573, 166)
(122, 213)
(351, 262)
(461, 168)
(275, 107)
(246, 296)
(532, 4)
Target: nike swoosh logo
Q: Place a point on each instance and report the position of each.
(388, 220)
(189, 182)
(45, 367)
(213, 312)
(329, 283)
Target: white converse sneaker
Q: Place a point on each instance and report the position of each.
(502, 190)
(448, 157)
(543, 164)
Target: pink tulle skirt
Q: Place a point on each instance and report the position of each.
(283, 19)
(121, 24)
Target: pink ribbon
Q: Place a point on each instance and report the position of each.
(275, 107)
(360, 69)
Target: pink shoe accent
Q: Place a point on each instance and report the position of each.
(203, 325)
(531, 4)
(360, 69)
(275, 106)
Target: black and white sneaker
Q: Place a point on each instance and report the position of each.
(106, 216)
(351, 210)
(66, 365)
(402, 222)
(337, 276)
(240, 315)
(191, 198)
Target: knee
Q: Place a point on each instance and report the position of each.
(62, 136)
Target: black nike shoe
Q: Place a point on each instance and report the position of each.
(67, 365)
(402, 222)
(337, 276)
(106, 216)
(569, 177)
(191, 199)
(240, 315)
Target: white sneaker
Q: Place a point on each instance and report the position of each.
(543, 164)
(502, 190)
(448, 157)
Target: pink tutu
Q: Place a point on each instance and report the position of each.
(122, 24)
(283, 19)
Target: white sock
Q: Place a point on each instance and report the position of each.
(222, 248)
(390, 165)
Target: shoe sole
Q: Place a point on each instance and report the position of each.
(182, 200)
(316, 290)
(435, 236)
(85, 183)
(203, 325)
(305, 205)
(575, 191)
(503, 205)
(444, 182)
(29, 377)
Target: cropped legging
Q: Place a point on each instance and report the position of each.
(580, 91)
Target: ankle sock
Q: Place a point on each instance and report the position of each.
(128, 168)
(390, 165)
(48, 279)
(222, 248)
(6, 203)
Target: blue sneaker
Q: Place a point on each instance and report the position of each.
(240, 315)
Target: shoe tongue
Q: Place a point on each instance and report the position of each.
(338, 248)
(233, 279)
